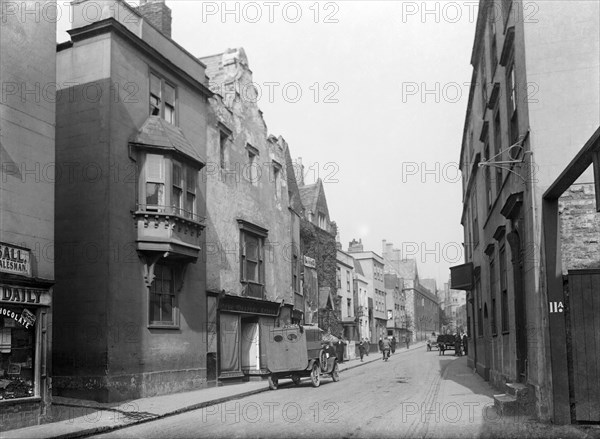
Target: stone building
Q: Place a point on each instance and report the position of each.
(372, 267)
(534, 101)
(28, 172)
(395, 306)
(130, 216)
(253, 225)
(346, 296)
(422, 306)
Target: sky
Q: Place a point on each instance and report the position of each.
(371, 95)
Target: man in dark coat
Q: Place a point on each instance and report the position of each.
(393, 344)
(465, 343)
(457, 343)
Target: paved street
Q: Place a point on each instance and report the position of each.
(414, 394)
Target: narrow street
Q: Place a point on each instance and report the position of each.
(414, 394)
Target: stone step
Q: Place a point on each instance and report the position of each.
(517, 389)
(506, 404)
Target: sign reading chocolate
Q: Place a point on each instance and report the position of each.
(15, 260)
(26, 318)
(33, 296)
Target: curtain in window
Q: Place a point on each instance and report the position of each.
(230, 348)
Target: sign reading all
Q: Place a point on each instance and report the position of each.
(15, 260)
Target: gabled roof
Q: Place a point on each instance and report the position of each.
(408, 269)
(158, 133)
(313, 197)
(296, 200)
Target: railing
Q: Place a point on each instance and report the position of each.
(171, 210)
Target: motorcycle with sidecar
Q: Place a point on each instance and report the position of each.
(298, 351)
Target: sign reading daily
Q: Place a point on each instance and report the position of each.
(24, 295)
(15, 260)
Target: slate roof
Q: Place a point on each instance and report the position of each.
(159, 133)
(296, 201)
(309, 194)
(408, 269)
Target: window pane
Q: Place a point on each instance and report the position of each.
(154, 308)
(155, 194)
(170, 113)
(167, 309)
(154, 85)
(191, 180)
(169, 95)
(190, 202)
(251, 271)
(252, 248)
(155, 168)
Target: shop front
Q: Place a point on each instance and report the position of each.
(25, 339)
(244, 325)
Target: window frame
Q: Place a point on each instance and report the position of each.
(505, 322)
(164, 324)
(168, 163)
(162, 98)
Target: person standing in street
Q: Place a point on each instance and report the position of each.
(367, 346)
(393, 344)
(407, 341)
(457, 344)
(465, 342)
(380, 344)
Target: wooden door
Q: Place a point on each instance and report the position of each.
(584, 311)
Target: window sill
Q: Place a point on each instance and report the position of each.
(159, 326)
(11, 401)
(505, 332)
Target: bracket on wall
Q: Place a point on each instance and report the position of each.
(518, 147)
(149, 262)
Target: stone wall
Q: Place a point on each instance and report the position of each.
(579, 228)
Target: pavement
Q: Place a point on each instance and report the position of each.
(86, 418)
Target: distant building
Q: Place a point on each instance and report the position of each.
(395, 306)
(27, 246)
(345, 293)
(422, 306)
(372, 267)
(361, 301)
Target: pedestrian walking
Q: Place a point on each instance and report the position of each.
(380, 344)
(385, 348)
(361, 349)
(465, 342)
(393, 344)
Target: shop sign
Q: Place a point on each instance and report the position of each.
(310, 262)
(33, 296)
(26, 318)
(247, 307)
(15, 260)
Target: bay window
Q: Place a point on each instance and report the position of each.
(160, 171)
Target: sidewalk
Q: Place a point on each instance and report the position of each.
(85, 418)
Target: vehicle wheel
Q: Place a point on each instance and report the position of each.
(315, 378)
(273, 382)
(296, 379)
(323, 361)
(335, 373)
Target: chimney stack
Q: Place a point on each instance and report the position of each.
(158, 14)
